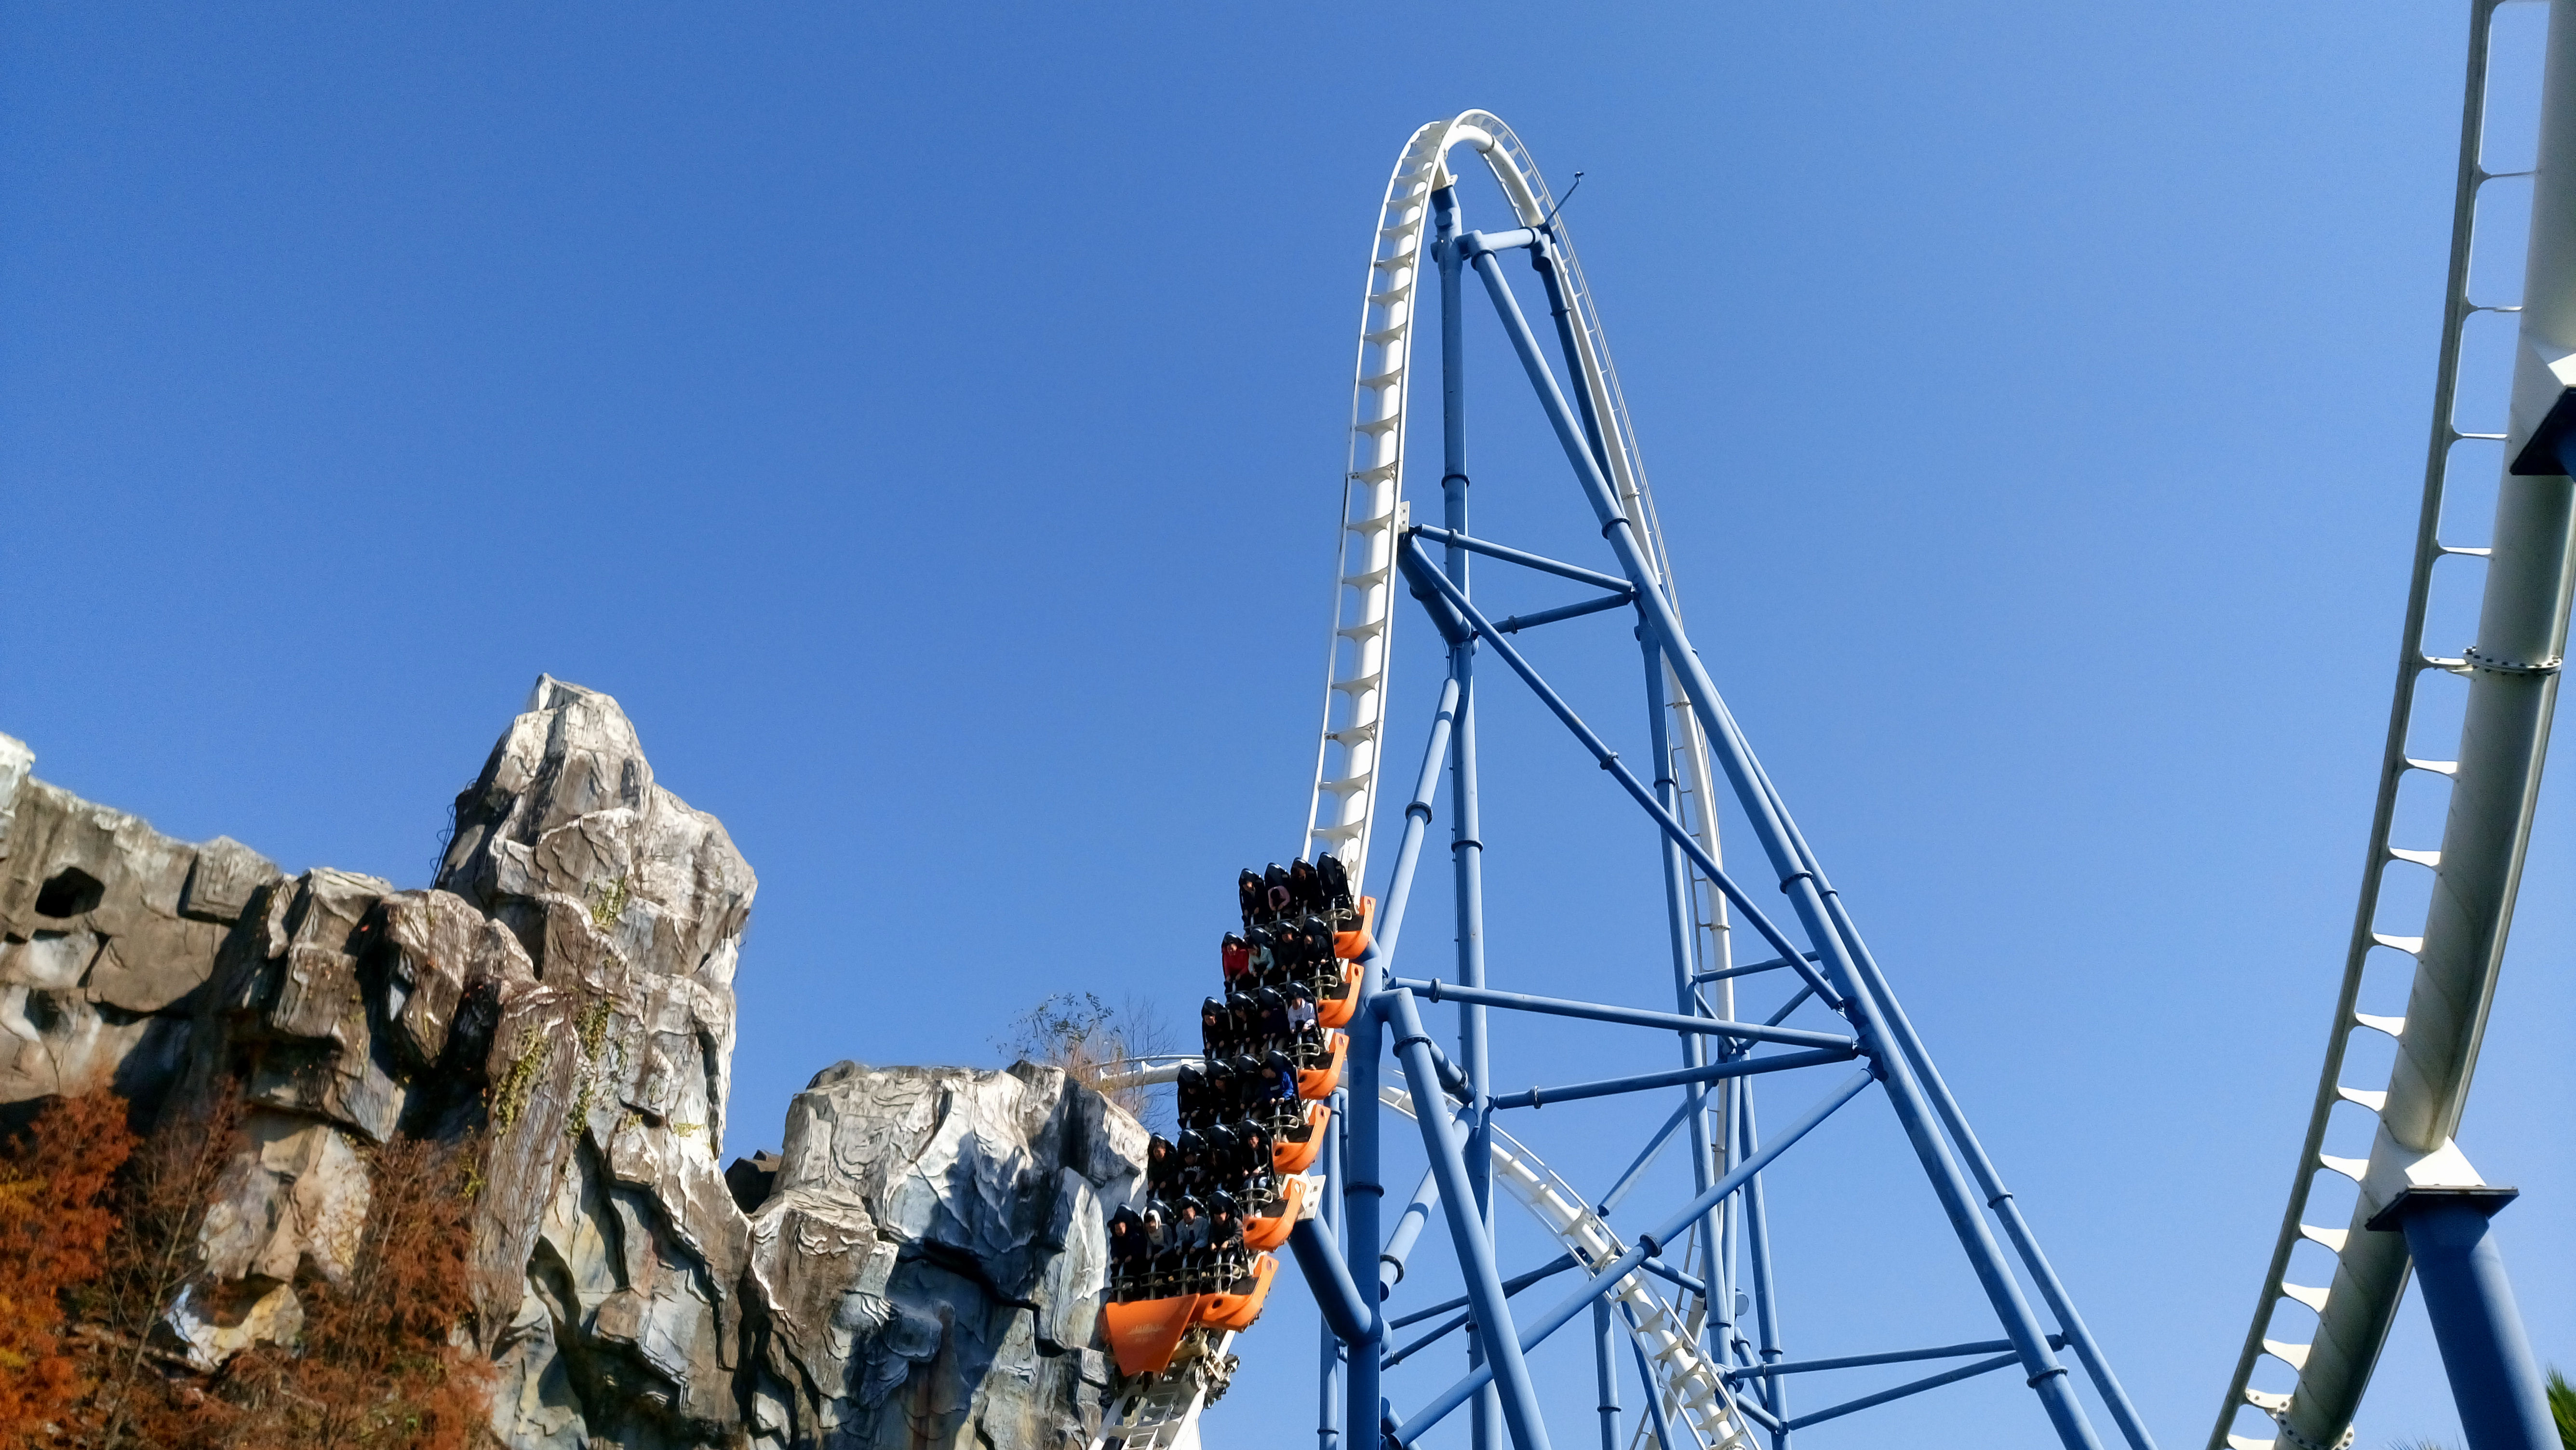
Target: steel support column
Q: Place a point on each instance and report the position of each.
(1508, 1370)
(1605, 1370)
(2494, 1379)
(1363, 1189)
(1466, 843)
(2048, 1378)
(1677, 912)
(1408, 1227)
(1328, 1377)
(1757, 1242)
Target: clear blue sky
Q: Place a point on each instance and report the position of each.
(927, 421)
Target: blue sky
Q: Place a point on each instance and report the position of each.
(928, 422)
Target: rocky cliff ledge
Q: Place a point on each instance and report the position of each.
(921, 1265)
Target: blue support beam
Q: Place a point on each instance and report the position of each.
(1408, 1228)
(1798, 878)
(1605, 1372)
(1466, 837)
(1912, 1387)
(1504, 1366)
(1511, 1286)
(1679, 914)
(1328, 1386)
(1458, 1321)
(1518, 622)
(1720, 974)
(1460, 539)
(1428, 582)
(1636, 1169)
(1389, 925)
(1353, 1317)
(1648, 1245)
(1675, 1277)
(1363, 1191)
(1766, 1299)
(2495, 1381)
(1643, 1082)
(1655, 1418)
(1436, 990)
(1895, 1356)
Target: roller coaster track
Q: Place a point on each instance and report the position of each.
(1359, 651)
(1359, 654)
(2493, 783)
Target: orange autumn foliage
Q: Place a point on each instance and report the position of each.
(54, 1226)
(375, 1367)
(91, 1256)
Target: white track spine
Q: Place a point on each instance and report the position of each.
(2494, 780)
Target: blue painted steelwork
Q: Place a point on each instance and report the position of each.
(1646, 1156)
(1725, 1220)
(1720, 974)
(1655, 1417)
(1608, 1277)
(1511, 1286)
(1460, 539)
(1792, 1005)
(1411, 560)
(1458, 1321)
(1798, 879)
(1469, 1233)
(1766, 1297)
(1897, 1356)
(1911, 1387)
(1739, 1067)
(1352, 1317)
(1328, 1393)
(1466, 844)
(1677, 905)
(1408, 1227)
(1605, 1372)
(1674, 1277)
(1518, 622)
(2494, 1379)
(1436, 990)
(1328, 1375)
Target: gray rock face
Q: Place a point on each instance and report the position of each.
(928, 1268)
(926, 1259)
(108, 930)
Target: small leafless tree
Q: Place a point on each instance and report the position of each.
(1090, 1039)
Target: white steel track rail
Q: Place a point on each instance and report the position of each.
(1348, 751)
(1164, 1414)
(2512, 673)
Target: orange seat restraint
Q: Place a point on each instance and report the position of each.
(1349, 944)
(1288, 1156)
(1336, 1011)
(1270, 1230)
(1316, 1083)
(1237, 1311)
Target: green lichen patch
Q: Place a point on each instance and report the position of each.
(510, 1094)
(610, 905)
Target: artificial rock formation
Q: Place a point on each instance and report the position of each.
(108, 931)
(924, 1265)
(929, 1263)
